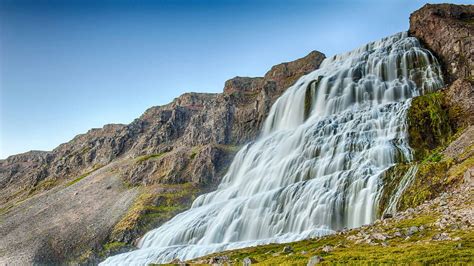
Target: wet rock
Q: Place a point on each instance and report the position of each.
(287, 249)
(315, 260)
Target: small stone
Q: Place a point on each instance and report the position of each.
(441, 237)
(304, 252)
(412, 230)
(287, 249)
(397, 234)
(248, 261)
(327, 248)
(352, 238)
(315, 260)
(379, 236)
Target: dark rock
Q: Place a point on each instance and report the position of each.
(287, 249)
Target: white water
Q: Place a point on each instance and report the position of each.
(405, 182)
(308, 177)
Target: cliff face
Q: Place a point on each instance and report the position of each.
(185, 145)
(448, 30)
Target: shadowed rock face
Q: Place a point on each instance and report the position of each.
(190, 140)
(448, 31)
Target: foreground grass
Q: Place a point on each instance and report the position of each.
(418, 248)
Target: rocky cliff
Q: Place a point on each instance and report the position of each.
(154, 166)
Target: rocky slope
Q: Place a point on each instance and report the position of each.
(121, 180)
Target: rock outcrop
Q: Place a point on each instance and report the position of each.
(189, 141)
(448, 31)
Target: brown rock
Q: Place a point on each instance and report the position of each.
(448, 31)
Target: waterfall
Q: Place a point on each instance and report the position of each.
(316, 166)
(405, 182)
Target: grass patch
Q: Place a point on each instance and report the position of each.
(149, 156)
(152, 207)
(417, 249)
(96, 167)
(194, 151)
(429, 124)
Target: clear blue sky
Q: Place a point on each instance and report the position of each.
(68, 66)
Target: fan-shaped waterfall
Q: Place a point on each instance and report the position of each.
(316, 166)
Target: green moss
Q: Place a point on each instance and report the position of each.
(149, 156)
(429, 125)
(457, 171)
(433, 157)
(77, 179)
(228, 148)
(154, 206)
(194, 151)
(430, 180)
(391, 180)
(114, 245)
(45, 184)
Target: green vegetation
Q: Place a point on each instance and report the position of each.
(432, 126)
(111, 248)
(419, 248)
(194, 151)
(149, 156)
(428, 124)
(155, 205)
(45, 184)
(228, 148)
(77, 179)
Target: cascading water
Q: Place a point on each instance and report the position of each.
(316, 166)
